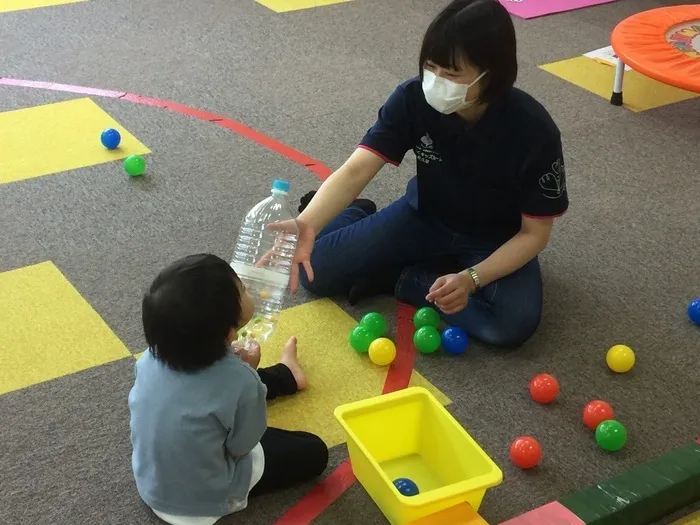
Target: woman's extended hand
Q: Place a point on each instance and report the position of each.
(451, 292)
(305, 245)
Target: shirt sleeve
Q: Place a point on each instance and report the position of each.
(544, 190)
(250, 422)
(390, 136)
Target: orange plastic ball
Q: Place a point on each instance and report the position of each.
(525, 452)
(544, 388)
(595, 412)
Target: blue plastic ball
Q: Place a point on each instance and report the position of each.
(406, 487)
(694, 311)
(454, 340)
(110, 138)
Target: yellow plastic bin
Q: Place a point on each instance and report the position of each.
(409, 434)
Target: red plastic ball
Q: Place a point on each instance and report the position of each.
(595, 412)
(525, 452)
(544, 388)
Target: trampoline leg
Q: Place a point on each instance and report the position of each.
(616, 99)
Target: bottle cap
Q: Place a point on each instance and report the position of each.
(281, 185)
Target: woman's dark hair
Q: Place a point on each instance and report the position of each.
(189, 311)
(480, 31)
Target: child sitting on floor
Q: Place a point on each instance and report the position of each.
(199, 430)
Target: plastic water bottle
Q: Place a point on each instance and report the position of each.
(263, 260)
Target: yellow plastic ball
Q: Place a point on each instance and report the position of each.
(620, 359)
(382, 351)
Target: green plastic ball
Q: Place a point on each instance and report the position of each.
(134, 165)
(427, 339)
(611, 435)
(375, 323)
(426, 316)
(361, 338)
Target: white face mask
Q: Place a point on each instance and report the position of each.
(444, 95)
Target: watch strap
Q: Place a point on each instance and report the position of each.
(475, 278)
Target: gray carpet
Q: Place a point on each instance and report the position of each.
(622, 265)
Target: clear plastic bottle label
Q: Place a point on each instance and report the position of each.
(265, 275)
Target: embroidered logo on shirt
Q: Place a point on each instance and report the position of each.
(424, 150)
(553, 183)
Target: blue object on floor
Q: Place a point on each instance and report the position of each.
(110, 138)
(454, 340)
(406, 487)
(694, 311)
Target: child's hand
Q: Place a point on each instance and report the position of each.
(248, 352)
(252, 353)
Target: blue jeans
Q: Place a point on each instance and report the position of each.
(353, 245)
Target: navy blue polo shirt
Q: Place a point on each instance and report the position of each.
(476, 178)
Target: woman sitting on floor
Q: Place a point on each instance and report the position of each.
(490, 181)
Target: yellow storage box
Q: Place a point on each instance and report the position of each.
(409, 434)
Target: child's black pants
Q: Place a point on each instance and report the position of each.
(291, 458)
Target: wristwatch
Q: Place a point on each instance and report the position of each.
(475, 278)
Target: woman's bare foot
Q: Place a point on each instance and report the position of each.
(290, 360)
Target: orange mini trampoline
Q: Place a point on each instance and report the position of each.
(663, 44)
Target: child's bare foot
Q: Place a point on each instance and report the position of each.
(289, 359)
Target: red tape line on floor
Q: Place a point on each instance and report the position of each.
(53, 86)
(399, 374)
(321, 496)
(341, 479)
(317, 168)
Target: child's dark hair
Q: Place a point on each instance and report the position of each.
(480, 31)
(189, 311)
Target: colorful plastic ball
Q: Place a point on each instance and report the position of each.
(611, 435)
(595, 412)
(454, 340)
(382, 351)
(134, 165)
(426, 339)
(360, 339)
(375, 323)
(544, 388)
(694, 311)
(426, 316)
(406, 487)
(110, 138)
(620, 359)
(525, 452)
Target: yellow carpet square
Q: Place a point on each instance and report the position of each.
(47, 329)
(56, 137)
(640, 93)
(284, 6)
(336, 373)
(18, 5)
(690, 519)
